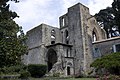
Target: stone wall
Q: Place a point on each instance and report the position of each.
(38, 38)
(104, 47)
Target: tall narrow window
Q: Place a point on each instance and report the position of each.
(66, 37)
(67, 54)
(53, 37)
(94, 38)
(62, 36)
(63, 22)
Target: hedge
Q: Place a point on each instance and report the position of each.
(37, 70)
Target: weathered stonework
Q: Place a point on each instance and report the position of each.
(70, 49)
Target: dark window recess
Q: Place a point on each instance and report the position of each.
(66, 37)
(68, 70)
(118, 48)
(67, 53)
(96, 53)
(52, 42)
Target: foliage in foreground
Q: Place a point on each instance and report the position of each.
(17, 69)
(37, 70)
(109, 62)
(12, 45)
(109, 77)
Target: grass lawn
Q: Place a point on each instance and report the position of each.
(54, 79)
(62, 79)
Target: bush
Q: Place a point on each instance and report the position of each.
(56, 75)
(13, 69)
(110, 62)
(37, 70)
(109, 77)
(24, 74)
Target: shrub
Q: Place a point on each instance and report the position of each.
(109, 77)
(37, 70)
(113, 77)
(56, 75)
(24, 74)
(13, 69)
(110, 62)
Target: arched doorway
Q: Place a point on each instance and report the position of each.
(69, 68)
(52, 58)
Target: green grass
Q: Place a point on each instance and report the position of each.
(55, 79)
(62, 79)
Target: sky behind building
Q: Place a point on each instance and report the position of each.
(34, 12)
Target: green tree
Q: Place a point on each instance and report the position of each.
(12, 46)
(109, 62)
(116, 9)
(109, 18)
(105, 18)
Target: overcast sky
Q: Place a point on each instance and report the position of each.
(34, 12)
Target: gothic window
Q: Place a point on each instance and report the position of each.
(94, 37)
(53, 37)
(66, 37)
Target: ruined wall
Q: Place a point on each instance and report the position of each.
(64, 58)
(46, 34)
(93, 26)
(104, 47)
(77, 27)
(38, 38)
(34, 43)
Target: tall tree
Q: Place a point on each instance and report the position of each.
(116, 9)
(109, 18)
(105, 18)
(12, 46)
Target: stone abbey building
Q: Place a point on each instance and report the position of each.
(70, 49)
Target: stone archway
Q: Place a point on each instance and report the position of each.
(69, 68)
(95, 35)
(51, 58)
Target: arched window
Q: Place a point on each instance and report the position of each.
(53, 37)
(66, 37)
(95, 35)
(94, 38)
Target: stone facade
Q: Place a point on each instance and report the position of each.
(70, 49)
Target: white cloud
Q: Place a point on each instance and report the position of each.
(96, 5)
(35, 12)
